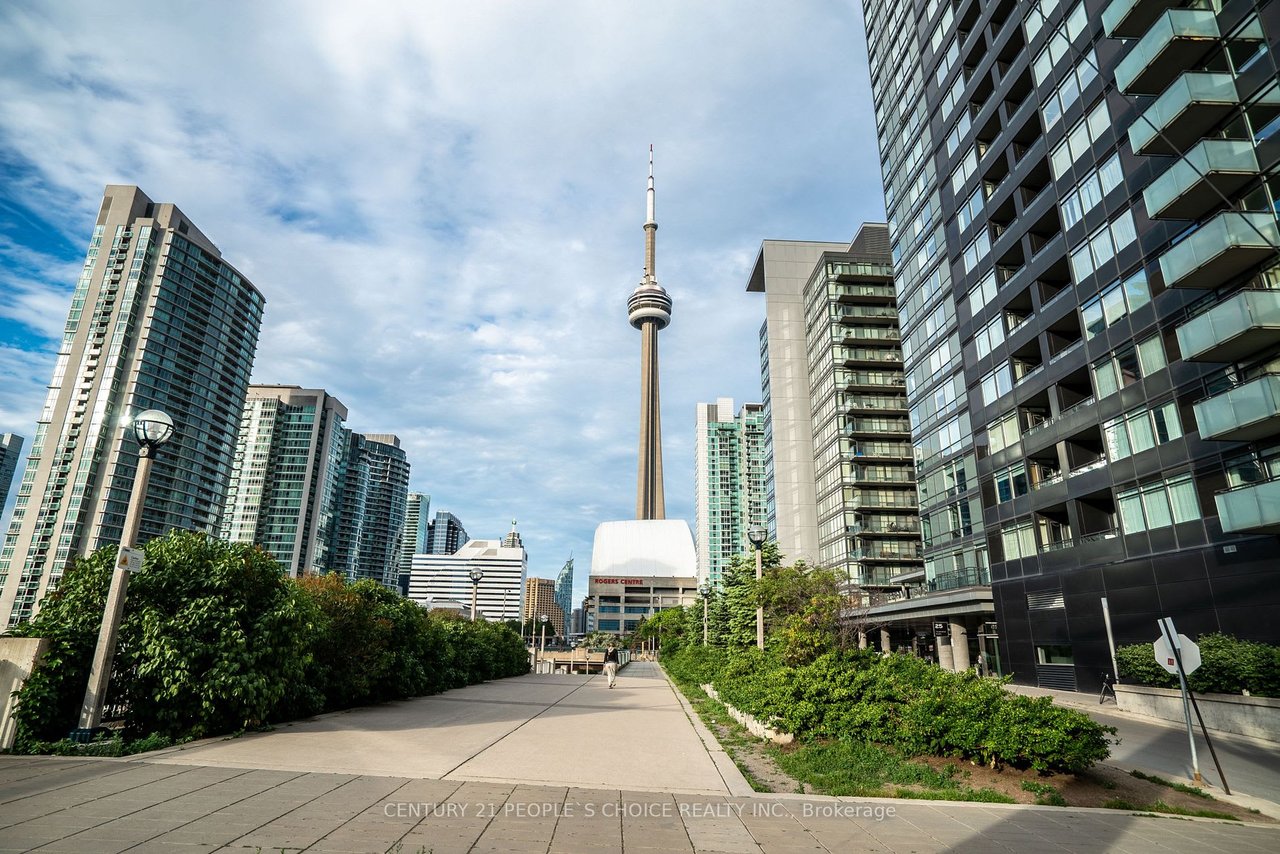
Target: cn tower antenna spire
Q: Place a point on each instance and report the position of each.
(650, 228)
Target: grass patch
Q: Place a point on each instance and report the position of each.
(1162, 807)
(1177, 787)
(1046, 795)
(865, 770)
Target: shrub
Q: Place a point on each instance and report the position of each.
(216, 638)
(694, 665)
(1228, 666)
(908, 704)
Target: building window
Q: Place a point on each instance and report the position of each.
(1141, 430)
(1054, 654)
(1127, 365)
(1158, 505)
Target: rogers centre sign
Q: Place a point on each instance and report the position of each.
(626, 581)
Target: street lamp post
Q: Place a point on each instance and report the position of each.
(476, 576)
(757, 537)
(152, 429)
(542, 650)
(704, 590)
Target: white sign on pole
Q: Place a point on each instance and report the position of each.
(129, 559)
(1187, 647)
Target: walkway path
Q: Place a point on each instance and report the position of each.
(555, 730)
(618, 771)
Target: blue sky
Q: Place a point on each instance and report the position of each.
(442, 203)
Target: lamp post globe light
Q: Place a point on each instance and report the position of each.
(151, 429)
(704, 590)
(476, 577)
(757, 537)
(544, 619)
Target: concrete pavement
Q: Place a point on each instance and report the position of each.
(1252, 765)
(473, 753)
(553, 730)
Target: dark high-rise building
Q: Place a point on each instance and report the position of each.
(384, 509)
(158, 320)
(445, 534)
(10, 450)
(1081, 197)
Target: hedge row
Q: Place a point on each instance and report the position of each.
(900, 701)
(1228, 666)
(215, 639)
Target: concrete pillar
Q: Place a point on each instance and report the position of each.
(862, 639)
(884, 641)
(959, 646)
(944, 653)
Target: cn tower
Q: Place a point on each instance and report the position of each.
(649, 309)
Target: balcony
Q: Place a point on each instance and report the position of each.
(1252, 507)
(1198, 181)
(1178, 40)
(1232, 329)
(1228, 244)
(1248, 412)
(1128, 19)
(1184, 113)
(970, 576)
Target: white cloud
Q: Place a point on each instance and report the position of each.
(443, 203)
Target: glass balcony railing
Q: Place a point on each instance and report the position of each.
(1233, 329)
(1184, 112)
(1127, 19)
(1252, 507)
(1176, 41)
(1228, 244)
(1199, 180)
(970, 576)
(1245, 413)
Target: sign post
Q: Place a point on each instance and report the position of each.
(1173, 653)
(1180, 656)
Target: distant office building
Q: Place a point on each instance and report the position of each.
(416, 524)
(290, 465)
(158, 321)
(499, 595)
(564, 591)
(1083, 209)
(384, 509)
(539, 599)
(445, 534)
(618, 604)
(579, 622)
(729, 483)
(781, 271)
(10, 450)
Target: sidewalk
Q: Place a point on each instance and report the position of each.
(1160, 747)
(473, 762)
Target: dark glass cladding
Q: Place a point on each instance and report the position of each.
(1099, 265)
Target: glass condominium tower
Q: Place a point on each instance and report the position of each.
(1081, 198)
(729, 483)
(158, 321)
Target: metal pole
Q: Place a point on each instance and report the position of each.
(475, 588)
(1171, 635)
(704, 620)
(760, 608)
(95, 695)
(1111, 641)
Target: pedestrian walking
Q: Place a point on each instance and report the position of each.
(611, 664)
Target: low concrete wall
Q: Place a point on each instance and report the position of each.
(1254, 716)
(18, 657)
(753, 726)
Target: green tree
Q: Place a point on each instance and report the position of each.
(70, 617)
(212, 637)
